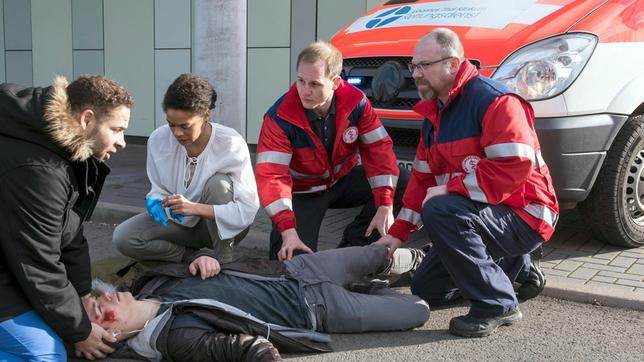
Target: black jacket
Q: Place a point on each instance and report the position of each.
(49, 185)
(237, 338)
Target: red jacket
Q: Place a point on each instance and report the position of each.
(292, 159)
(482, 145)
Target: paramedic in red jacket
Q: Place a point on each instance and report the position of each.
(480, 188)
(307, 158)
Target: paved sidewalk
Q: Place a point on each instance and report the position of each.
(577, 266)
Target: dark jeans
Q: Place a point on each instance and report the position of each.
(478, 251)
(351, 191)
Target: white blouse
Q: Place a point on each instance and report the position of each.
(227, 153)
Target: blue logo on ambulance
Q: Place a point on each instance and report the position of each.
(388, 17)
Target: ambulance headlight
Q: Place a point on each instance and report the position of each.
(546, 68)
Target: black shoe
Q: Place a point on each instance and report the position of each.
(536, 279)
(466, 326)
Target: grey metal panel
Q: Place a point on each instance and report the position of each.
(269, 23)
(303, 23)
(172, 24)
(2, 70)
(51, 40)
(334, 15)
(19, 67)
(267, 80)
(372, 4)
(168, 65)
(88, 62)
(129, 57)
(87, 24)
(17, 24)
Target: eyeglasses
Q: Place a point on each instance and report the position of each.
(422, 66)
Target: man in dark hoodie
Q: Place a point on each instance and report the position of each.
(53, 142)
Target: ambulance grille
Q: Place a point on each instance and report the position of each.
(367, 67)
(404, 137)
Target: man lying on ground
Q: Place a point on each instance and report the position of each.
(240, 313)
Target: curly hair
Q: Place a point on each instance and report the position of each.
(99, 93)
(190, 92)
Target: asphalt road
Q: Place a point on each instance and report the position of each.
(552, 329)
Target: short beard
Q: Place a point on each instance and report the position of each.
(428, 94)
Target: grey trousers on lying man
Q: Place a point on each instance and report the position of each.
(327, 278)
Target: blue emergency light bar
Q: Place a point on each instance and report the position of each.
(354, 80)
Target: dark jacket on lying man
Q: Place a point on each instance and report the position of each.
(256, 307)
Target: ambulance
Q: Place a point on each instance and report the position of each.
(580, 63)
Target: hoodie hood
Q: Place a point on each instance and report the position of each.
(43, 116)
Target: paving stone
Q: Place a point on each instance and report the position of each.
(583, 273)
(636, 269)
(627, 254)
(559, 273)
(615, 269)
(634, 277)
(585, 259)
(574, 242)
(631, 283)
(606, 255)
(602, 279)
(548, 264)
(639, 250)
(622, 261)
(613, 287)
(568, 265)
(592, 245)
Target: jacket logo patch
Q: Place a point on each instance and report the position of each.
(470, 162)
(350, 135)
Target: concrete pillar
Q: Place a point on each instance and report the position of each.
(219, 55)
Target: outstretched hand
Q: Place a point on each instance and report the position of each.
(291, 242)
(381, 221)
(207, 266)
(392, 243)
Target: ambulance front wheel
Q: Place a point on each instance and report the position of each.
(614, 210)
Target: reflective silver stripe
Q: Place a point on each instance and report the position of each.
(383, 180)
(542, 212)
(444, 178)
(539, 162)
(472, 186)
(278, 205)
(373, 135)
(337, 168)
(509, 150)
(312, 189)
(282, 158)
(422, 166)
(410, 216)
(299, 175)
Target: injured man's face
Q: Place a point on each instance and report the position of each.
(120, 313)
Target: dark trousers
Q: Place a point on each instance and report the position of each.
(351, 191)
(478, 251)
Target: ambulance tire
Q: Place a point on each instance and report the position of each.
(614, 210)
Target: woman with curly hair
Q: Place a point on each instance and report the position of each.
(203, 191)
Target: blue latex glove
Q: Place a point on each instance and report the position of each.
(177, 217)
(155, 209)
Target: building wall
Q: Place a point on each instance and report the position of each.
(277, 31)
(142, 44)
(145, 44)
